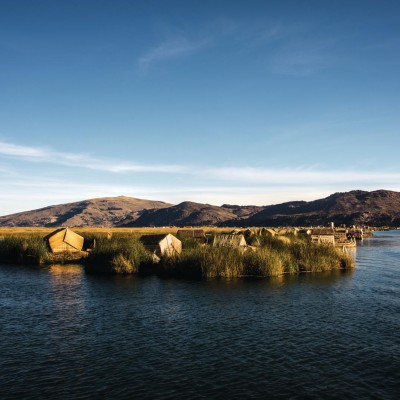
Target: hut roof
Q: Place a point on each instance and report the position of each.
(285, 231)
(268, 231)
(191, 233)
(153, 239)
(65, 236)
(323, 231)
(229, 241)
(162, 244)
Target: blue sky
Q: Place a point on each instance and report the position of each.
(240, 102)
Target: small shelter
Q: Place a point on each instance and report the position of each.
(163, 244)
(253, 232)
(196, 234)
(267, 232)
(64, 240)
(323, 235)
(236, 241)
(285, 231)
(251, 235)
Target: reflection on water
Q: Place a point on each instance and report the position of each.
(325, 277)
(67, 291)
(62, 270)
(324, 335)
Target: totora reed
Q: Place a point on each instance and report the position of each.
(123, 253)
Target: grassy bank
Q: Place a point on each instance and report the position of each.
(123, 253)
(118, 254)
(27, 248)
(273, 258)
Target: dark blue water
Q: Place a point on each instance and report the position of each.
(68, 335)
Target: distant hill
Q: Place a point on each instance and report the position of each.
(183, 214)
(243, 212)
(377, 208)
(105, 211)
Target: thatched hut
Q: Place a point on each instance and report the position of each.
(323, 235)
(285, 231)
(236, 241)
(249, 232)
(196, 234)
(251, 235)
(267, 232)
(163, 244)
(64, 240)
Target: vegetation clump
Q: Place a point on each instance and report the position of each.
(203, 262)
(24, 249)
(119, 254)
(274, 257)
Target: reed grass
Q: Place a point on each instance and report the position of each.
(264, 262)
(203, 262)
(189, 243)
(122, 253)
(119, 254)
(23, 249)
(275, 257)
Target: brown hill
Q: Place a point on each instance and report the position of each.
(106, 211)
(377, 208)
(243, 212)
(184, 214)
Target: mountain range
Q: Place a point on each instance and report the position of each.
(357, 207)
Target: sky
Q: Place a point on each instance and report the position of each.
(238, 102)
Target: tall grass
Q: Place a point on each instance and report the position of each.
(189, 243)
(203, 262)
(120, 254)
(264, 262)
(300, 255)
(312, 257)
(123, 253)
(23, 249)
(275, 257)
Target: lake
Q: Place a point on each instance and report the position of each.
(65, 334)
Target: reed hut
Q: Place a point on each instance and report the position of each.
(251, 235)
(64, 240)
(249, 232)
(196, 234)
(286, 231)
(163, 244)
(235, 241)
(267, 232)
(323, 235)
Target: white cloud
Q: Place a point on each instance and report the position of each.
(10, 149)
(170, 49)
(46, 155)
(248, 175)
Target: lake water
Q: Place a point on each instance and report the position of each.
(65, 334)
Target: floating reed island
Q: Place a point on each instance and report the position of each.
(191, 254)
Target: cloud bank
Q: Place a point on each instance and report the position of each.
(246, 174)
